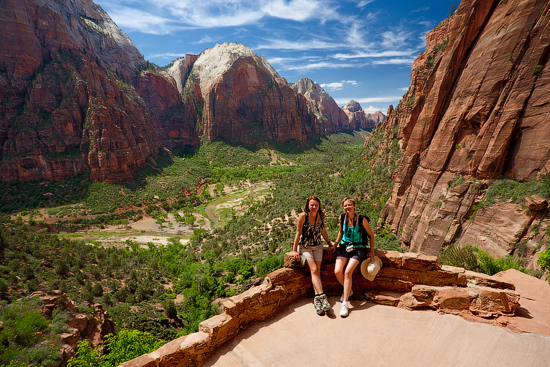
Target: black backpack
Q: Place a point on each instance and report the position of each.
(364, 233)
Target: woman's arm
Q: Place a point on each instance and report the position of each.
(371, 236)
(340, 234)
(325, 236)
(299, 226)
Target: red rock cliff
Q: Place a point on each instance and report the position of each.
(358, 119)
(477, 109)
(331, 117)
(67, 97)
(239, 97)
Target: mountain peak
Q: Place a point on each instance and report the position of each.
(353, 106)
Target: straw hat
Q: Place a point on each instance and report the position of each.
(371, 267)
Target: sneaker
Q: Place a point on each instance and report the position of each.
(324, 302)
(344, 310)
(318, 305)
(342, 297)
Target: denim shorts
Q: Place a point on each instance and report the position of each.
(356, 254)
(314, 253)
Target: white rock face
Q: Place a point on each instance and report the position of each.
(212, 63)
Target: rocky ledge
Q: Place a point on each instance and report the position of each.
(410, 281)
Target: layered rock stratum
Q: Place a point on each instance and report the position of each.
(237, 96)
(67, 96)
(77, 96)
(476, 110)
(358, 119)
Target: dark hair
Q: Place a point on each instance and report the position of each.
(348, 199)
(320, 210)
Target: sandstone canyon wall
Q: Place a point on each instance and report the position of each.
(75, 96)
(331, 117)
(358, 119)
(237, 96)
(476, 110)
(67, 101)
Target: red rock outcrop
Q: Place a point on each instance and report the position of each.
(239, 97)
(358, 119)
(377, 117)
(67, 100)
(320, 103)
(475, 111)
(80, 326)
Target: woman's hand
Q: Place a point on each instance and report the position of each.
(331, 248)
(296, 255)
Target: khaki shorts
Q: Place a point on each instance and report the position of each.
(314, 253)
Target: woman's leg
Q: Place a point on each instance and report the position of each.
(339, 268)
(315, 269)
(348, 277)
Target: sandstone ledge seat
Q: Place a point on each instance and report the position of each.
(407, 281)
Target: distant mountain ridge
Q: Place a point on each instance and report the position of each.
(76, 96)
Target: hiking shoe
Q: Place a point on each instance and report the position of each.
(344, 310)
(342, 297)
(324, 302)
(318, 305)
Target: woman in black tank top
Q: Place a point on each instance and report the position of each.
(308, 244)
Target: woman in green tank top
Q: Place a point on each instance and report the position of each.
(350, 249)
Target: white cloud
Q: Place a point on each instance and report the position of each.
(401, 61)
(332, 86)
(216, 13)
(205, 39)
(388, 99)
(297, 10)
(372, 109)
(167, 55)
(364, 3)
(279, 44)
(337, 85)
(404, 89)
(424, 8)
(141, 21)
(374, 54)
(321, 65)
(395, 38)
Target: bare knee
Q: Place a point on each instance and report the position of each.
(314, 269)
(348, 273)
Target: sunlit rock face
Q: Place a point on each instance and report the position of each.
(239, 97)
(358, 119)
(67, 95)
(476, 110)
(331, 117)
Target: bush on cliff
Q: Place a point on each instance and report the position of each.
(473, 259)
(126, 345)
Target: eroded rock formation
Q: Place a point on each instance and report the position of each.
(331, 117)
(67, 96)
(358, 119)
(239, 97)
(476, 110)
(75, 96)
(80, 326)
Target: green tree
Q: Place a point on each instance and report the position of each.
(127, 345)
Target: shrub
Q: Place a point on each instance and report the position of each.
(474, 259)
(462, 257)
(544, 261)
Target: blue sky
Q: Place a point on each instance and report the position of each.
(361, 50)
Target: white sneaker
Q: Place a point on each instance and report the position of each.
(344, 310)
(342, 297)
